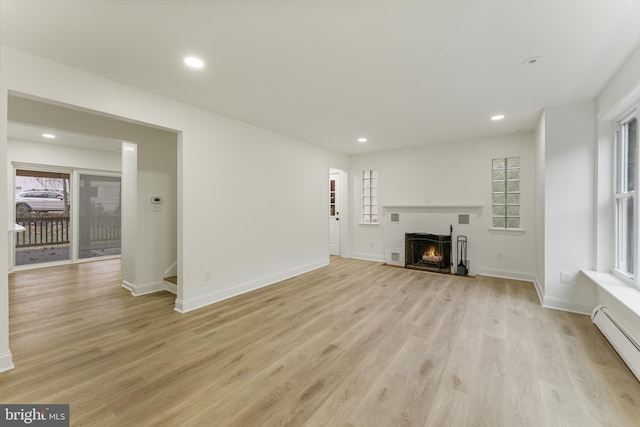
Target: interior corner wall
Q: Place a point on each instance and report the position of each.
(605, 212)
(540, 205)
(254, 202)
(569, 200)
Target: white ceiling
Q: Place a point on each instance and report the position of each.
(402, 73)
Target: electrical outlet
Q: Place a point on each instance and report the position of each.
(499, 255)
(207, 275)
(565, 277)
(371, 244)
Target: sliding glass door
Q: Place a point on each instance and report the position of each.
(99, 230)
(65, 215)
(42, 205)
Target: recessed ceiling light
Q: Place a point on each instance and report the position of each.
(194, 62)
(497, 117)
(531, 61)
(361, 140)
(49, 135)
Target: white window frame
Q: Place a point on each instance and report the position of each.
(504, 204)
(368, 177)
(621, 192)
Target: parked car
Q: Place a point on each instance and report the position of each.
(39, 200)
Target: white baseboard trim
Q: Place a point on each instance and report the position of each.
(507, 274)
(545, 301)
(367, 257)
(6, 361)
(538, 286)
(565, 305)
(148, 288)
(185, 306)
(517, 275)
(128, 286)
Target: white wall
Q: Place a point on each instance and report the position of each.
(570, 177)
(156, 176)
(605, 251)
(252, 204)
(621, 89)
(452, 174)
(63, 156)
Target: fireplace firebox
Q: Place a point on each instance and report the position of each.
(431, 252)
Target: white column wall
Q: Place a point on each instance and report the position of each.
(129, 215)
(569, 222)
(6, 361)
(540, 205)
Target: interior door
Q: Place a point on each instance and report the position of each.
(334, 214)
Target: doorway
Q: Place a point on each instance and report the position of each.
(337, 207)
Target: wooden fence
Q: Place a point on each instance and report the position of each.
(56, 230)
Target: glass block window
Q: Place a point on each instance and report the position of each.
(505, 192)
(370, 197)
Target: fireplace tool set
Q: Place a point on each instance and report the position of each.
(461, 244)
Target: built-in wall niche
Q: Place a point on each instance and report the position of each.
(397, 221)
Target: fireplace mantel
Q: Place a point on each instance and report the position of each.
(443, 206)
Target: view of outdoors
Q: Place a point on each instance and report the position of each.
(43, 208)
(99, 219)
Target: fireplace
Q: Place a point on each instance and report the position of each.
(431, 252)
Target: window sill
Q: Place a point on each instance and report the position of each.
(368, 223)
(495, 230)
(625, 293)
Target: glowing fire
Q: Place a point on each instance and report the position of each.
(430, 252)
(431, 255)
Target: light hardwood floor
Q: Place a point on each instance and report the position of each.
(353, 344)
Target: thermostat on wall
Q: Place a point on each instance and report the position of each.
(156, 200)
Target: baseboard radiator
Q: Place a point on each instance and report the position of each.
(626, 346)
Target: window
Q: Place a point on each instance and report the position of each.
(505, 184)
(625, 194)
(370, 197)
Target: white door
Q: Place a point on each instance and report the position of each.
(334, 214)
